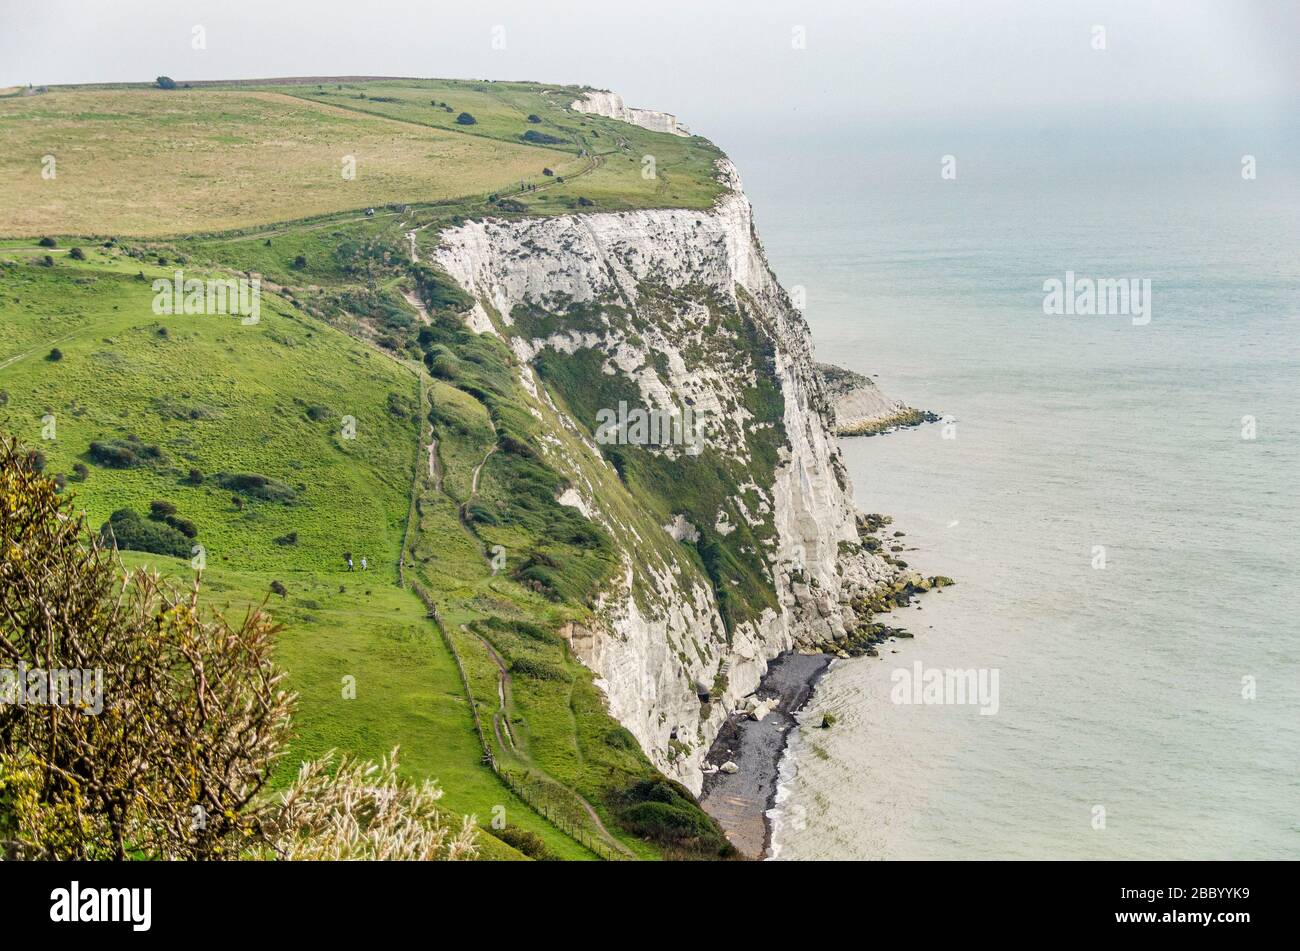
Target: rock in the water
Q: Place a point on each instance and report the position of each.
(730, 767)
(861, 409)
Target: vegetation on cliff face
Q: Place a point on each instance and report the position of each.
(357, 417)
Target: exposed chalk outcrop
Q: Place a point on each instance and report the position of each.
(860, 408)
(611, 106)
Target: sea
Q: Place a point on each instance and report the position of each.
(1116, 494)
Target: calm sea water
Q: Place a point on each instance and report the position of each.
(1120, 688)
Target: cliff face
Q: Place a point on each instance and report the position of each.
(734, 547)
(611, 106)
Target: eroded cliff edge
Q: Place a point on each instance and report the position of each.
(732, 548)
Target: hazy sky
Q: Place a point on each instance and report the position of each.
(717, 63)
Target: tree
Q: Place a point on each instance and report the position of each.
(165, 82)
(466, 119)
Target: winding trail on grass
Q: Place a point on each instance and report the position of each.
(500, 716)
(473, 482)
(462, 510)
(503, 685)
(435, 465)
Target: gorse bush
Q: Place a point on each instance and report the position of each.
(255, 486)
(125, 453)
(541, 138)
(538, 670)
(525, 841)
(126, 530)
(665, 811)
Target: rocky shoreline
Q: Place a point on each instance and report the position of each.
(861, 409)
(742, 766)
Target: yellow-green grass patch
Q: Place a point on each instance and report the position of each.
(155, 162)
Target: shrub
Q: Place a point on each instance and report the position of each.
(537, 669)
(279, 589)
(516, 447)
(585, 202)
(534, 119)
(664, 811)
(184, 526)
(128, 531)
(159, 510)
(442, 363)
(541, 138)
(299, 262)
(290, 539)
(165, 82)
(466, 119)
(77, 254)
(525, 841)
(47, 261)
(318, 414)
(124, 453)
(48, 242)
(80, 472)
(195, 477)
(665, 822)
(257, 486)
(548, 173)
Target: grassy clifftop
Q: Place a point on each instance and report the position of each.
(147, 162)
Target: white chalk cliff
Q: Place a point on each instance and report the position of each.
(611, 106)
(658, 296)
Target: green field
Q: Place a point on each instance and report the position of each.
(145, 162)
